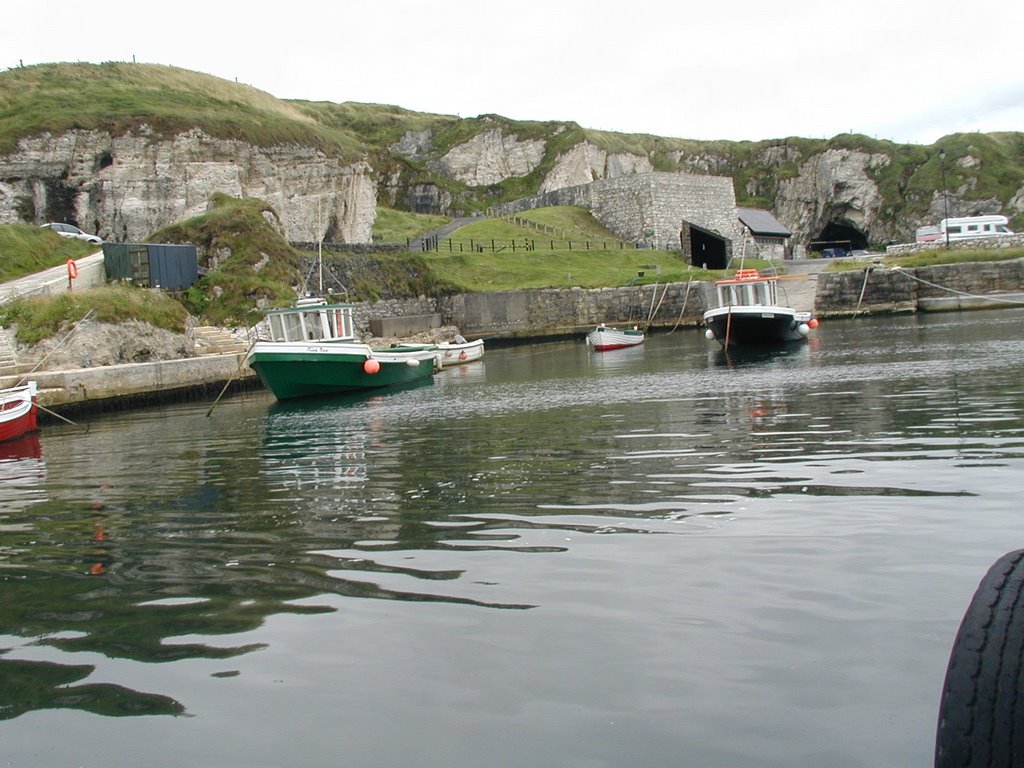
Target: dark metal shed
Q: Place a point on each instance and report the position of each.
(152, 265)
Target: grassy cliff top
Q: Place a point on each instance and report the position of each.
(120, 97)
(162, 100)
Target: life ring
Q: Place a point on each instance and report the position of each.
(72, 269)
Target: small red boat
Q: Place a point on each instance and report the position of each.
(18, 410)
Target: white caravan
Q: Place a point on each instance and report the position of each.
(973, 226)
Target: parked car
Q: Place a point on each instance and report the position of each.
(833, 253)
(67, 230)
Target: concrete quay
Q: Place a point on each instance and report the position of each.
(115, 387)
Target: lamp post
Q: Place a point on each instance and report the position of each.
(945, 195)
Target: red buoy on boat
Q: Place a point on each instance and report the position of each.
(371, 366)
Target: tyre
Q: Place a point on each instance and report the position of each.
(981, 713)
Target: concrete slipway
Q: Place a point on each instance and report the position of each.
(113, 386)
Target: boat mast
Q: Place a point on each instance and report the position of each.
(320, 245)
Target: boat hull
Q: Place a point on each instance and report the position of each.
(756, 326)
(452, 353)
(295, 370)
(18, 412)
(448, 354)
(604, 339)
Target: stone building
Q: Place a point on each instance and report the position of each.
(766, 235)
(696, 214)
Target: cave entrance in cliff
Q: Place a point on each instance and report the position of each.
(839, 235)
(704, 248)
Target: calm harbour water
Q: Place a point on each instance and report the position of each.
(649, 557)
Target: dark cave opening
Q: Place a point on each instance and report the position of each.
(839, 235)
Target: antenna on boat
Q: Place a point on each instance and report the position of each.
(320, 244)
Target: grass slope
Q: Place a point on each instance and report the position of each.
(25, 249)
(983, 172)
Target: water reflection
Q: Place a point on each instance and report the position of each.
(648, 523)
(22, 472)
(34, 685)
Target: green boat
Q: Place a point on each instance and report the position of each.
(311, 351)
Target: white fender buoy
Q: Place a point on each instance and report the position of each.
(709, 334)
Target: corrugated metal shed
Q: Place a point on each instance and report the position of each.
(762, 223)
(152, 265)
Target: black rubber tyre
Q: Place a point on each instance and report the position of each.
(981, 714)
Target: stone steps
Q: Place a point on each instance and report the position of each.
(9, 365)
(210, 340)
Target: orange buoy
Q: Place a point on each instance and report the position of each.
(371, 366)
(812, 323)
(72, 269)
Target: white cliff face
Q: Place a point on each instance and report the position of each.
(833, 186)
(490, 158)
(126, 187)
(585, 163)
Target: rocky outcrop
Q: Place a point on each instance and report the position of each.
(585, 163)
(835, 186)
(491, 157)
(125, 187)
(414, 144)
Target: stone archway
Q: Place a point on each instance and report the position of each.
(839, 234)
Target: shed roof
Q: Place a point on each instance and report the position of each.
(761, 222)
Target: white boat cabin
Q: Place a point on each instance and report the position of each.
(311, 320)
(747, 289)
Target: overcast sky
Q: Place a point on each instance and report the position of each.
(906, 70)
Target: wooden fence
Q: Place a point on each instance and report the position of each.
(453, 245)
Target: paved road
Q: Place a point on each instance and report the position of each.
(445, 231)
(55, 279)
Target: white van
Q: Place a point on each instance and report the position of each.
(973, 226)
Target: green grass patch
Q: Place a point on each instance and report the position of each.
(120, 97)
(249, 264)
(393, 226)
(930, 258)
(26, 249)
(39, 317)
(507, 271)
(954, 256)
(564, 222)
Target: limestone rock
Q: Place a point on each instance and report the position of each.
(490, 158)
(125, 187)
(94, 344)
(834, 186)
(414, 144)
(585, 163)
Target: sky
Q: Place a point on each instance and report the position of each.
(908, 71)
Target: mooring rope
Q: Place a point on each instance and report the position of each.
(654, 310)
(986, 297)
(862, 289)
(682, 310)
(56, 415)
(60, 344)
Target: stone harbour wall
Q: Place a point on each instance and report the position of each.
(936, 288)
(551, 312)
(648, 207)
(972, 243)
(564, 311)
